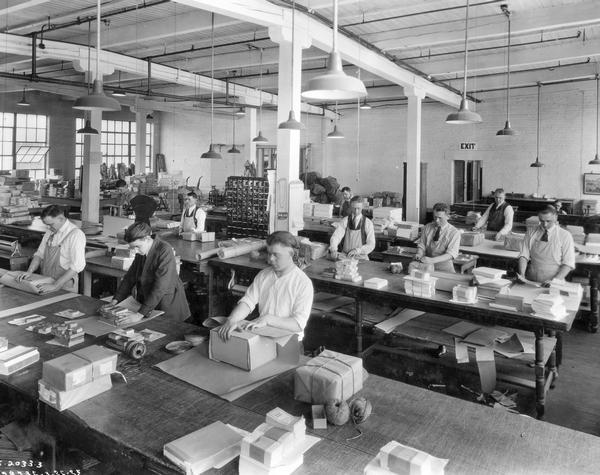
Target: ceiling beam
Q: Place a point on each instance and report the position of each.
(264, 13)
(21, 6)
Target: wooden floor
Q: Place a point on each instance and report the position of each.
(573, 403)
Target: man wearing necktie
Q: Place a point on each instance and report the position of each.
(356, 231)
(439, 241)
(548, 251)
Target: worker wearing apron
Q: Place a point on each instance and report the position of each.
(61, 254)
(355, 232)
(498, 216)
(439, 241)
(548, 251)
(193, 217)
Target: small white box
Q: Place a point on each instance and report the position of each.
(375, 283)
(123, 263)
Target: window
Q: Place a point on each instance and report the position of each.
(24, 143)
(117, 143)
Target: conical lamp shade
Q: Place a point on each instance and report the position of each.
(291, 123)
(23, 102)
(507, 130)
(365, 105)
(233, 149)
(595, 161)
(335, 133)
(537, 163)
(97, 100)
(87, 129)
(211, 153)
(463, 115)
(334, 84)
(119, 93)
(260, 138)
(241, 112)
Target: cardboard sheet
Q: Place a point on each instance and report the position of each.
(487, 368)
(387, 326)
(37, 304)
(226, 381)
(486, 336)
(462, 329)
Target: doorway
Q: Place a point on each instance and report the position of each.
(468, 176)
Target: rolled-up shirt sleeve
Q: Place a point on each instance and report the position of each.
(508, 220)
(75, 251)
(369, 246)
(568, 251)
(42, 247)
(454, 245)
(200, 220)
(253, 292)
(339, 233)
(526, 247)
(303, 303)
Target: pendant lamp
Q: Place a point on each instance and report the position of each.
(537, 163)
(241, 112)
(212, 153)
(259, 138)
(596, 160)
(364, 105)
(334, 84)
(233, 149)
(97, 100)
(507, 131)
(292, 123)
(463, 115)
(87, 128)
(23, 102)
(335, 133)
(119, 92)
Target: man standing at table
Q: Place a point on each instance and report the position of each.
(440, 241)
(282, 291)
(61, 254)
(345, 204)
(548, 251)
(355, 232)
(498, 216)
(193, 217)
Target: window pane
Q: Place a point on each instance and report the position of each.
(31, 121)
(21, 120)
(30, 135)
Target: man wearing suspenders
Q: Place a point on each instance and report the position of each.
(355, 232)
(498, 216)
(193, 217)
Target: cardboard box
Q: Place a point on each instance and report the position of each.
(401, 459)
(62, 400)
(243, 349)
(279, 418)
(207, 236)
(16, 358)
(203, 449)
(123, 263)
(123, 251)
(269, 449)
(471, 238)
(330, 375)
(103, 360)
(190, 236)
(318, 417)
(375, 283)
(67, 372)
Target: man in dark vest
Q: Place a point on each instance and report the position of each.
(355, 232)
(498, 216)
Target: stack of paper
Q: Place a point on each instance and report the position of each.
(395, 458)
(375, 283)
(488, 272)
(549, 306)
(464, 294)
(379, 224)
(16, 358)
(407, 230)
(420, 287)
(389, 213)
(571, 292)
(492, 287)
(322, 210)
(347, 269)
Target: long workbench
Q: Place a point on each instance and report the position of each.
(127, 426)
(394, 294)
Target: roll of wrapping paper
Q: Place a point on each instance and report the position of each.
(207, 253)
(242, 249)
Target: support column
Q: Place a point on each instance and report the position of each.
(288, 190)
(412, 193)
(92, 158)
(252, 132)
(140, 141)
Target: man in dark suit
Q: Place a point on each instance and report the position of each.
(152, 278)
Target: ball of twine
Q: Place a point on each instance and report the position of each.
(337, 412)
(360, 410)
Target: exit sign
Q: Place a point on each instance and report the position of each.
(468, 146)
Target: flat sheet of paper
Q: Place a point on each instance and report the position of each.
(485, 336)
(95, 326)
(462, 329)
(528, 292)
(69, 314)
(461, 350)
(404, 316)
(487, 368)
(36, 305)
(329, 302)
(510, 348)
(224, 380)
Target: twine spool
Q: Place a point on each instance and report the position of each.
(337, 412)
(360, 410)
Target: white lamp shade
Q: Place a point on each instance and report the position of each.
(334, 84)
(335, 133)
(97, 100)
(463, 115)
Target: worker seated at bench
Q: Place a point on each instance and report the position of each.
(282, 291)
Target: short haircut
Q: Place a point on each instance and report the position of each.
(549, 209)
(356, 198)
(284, 238)
(346, 188)
(53, 211)
(441, 207)
(192, 194)
(499, 190)
(137, 230)
(120, 183)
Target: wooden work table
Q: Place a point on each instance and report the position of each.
(128, 425)
(394, 293)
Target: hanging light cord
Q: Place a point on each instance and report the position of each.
(98, 48)
(597, 107)
(357, 177)
(508, 13)
(537, 158)
(464, 95)
(260, 90)
(293, 43)
(335, 24)
(212, 75)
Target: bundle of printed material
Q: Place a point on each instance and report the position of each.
(571, 292)
(347, 269)
(549, 306)
(395, 458)
(420, 284)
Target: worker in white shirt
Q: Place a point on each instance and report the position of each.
(440, 241)
(498, 216)
(193, 217)
(355, 232)
(61, 254)
(548, 251)
(282, 291)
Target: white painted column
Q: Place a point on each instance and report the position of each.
(140, 141)
(288, 187)
(92, 158)
(413, 153)
(252, 132)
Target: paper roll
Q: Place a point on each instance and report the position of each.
(207, 253)
(242, 249)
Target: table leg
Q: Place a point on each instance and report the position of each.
(594, 311)
(553, 361)
(540, 380)
(211, 291)
(358, 312)
(87, 283)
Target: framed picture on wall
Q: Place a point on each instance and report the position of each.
(591, 183)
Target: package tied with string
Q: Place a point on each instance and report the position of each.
(330, 375)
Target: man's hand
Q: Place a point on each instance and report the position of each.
(227, 329)
(112, 303)
(546, 283)
(521, 278)
(476, 229)
(128, 318)
(47, 288)
(333, 253)
(425, 260)
(258, 323)
(353, 252)
(24, 276)
(499, 237)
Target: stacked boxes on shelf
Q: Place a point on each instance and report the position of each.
(246, 199)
